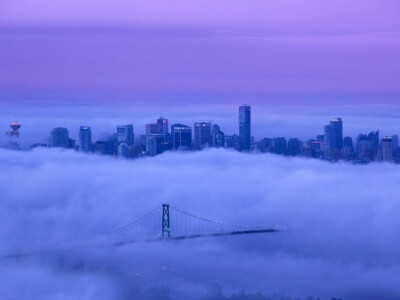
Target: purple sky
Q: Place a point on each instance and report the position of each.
(201, 47)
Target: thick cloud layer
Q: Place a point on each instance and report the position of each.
(341, 238)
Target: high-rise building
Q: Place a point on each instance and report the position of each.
(151, 128)
(217, 137)
(348, 142)
(395, 142)
(102, 147)
(367, 146)
(232, 141)
(158, 139)
(124, 150)
(60, 138)
(360, 138)
(320, 138)
(202, 135)
(125, 134)
(108, 145)
(348, 148)
(316, 148)
(181, 137)
(333, 138)
(294, 147)
(278, 145)
(366, 150)
(85, 138)
(157, 143)
(264, 145)
(374, 138)
(329, 139)
(126, 140)
(72, 144)
(386, 149)
(337, 125)
(159, 127)
(244, 127)
(162, 125)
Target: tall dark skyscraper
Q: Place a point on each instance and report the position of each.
(337, 125)
(294, 147)
(244, 127)
(333, 137)
(395, 142)
(386, 149)
(217, 137)
(151, 128)
(157, 143)
(125, 134)
(162, 125)
(60, 138)
(202, 135)
(85, 138)
(181, 137)
(126, 139)
(329, 139)
(374, 138)
(159, 127)
(158, 139)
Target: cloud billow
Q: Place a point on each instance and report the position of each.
(340, 240)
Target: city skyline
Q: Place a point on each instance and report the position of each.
(332, 145)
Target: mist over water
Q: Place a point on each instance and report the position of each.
(340, 240)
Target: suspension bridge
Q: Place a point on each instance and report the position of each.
(163, 223)
(172, 223)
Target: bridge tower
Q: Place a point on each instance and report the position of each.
(165, 220)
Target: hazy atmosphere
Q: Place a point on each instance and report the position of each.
(341, 223)
(199, 149)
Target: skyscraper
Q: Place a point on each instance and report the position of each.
(374, 138)
(157, 143)
(386, 149)
(279, 145)
(202, 135)
(151, 128)
(159, 127)
(348, 142)
(157, 138)
(60, 138)
(217, 137)
(244, 127)
(329, 139)
(337, 125)
(85, 138)
(232, 141)
(125, 134)
(294, 147)
(395, 142)
(333, 138)
(162, 125)
(181, 137)
(126, 139)
(348, 148)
